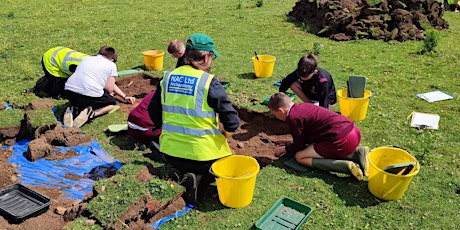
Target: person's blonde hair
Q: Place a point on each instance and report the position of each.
(175, 46)
(279, 100)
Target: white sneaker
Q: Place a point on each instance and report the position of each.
(68, 117)
(83, 117)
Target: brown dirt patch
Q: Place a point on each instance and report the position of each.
(255, 137)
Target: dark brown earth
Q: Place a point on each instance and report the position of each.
(346, 20)
(254, 138)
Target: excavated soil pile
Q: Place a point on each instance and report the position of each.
(346, 20)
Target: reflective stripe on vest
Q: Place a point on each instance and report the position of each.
(190, 126)
(196, 112)
(60, 68)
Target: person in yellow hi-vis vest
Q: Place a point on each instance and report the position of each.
(452, 5)
(58, 64)
(188, 105)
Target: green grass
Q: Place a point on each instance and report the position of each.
(124, 189)
(395, 73)
(40, 117)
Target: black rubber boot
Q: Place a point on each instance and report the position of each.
(342, 166)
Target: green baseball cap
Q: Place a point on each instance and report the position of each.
(201, 42)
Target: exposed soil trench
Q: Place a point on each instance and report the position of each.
(254, 138)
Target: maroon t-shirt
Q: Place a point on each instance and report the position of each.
(313, 124)
(139, 115)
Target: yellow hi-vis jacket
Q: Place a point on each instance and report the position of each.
(58, 60)
(190, 127)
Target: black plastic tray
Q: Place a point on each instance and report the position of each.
(18, 202)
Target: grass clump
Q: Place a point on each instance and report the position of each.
(41, 117)
(430, 42)
(11, 118)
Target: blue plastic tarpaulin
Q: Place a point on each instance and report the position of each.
(54, 174)
(179, 213)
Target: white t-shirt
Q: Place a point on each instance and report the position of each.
(91, 76)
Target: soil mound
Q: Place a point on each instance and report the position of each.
(346, 20)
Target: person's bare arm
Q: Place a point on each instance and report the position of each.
(112, 87)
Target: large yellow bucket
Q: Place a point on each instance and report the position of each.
(235, 179)
(153, 59)
(385, 185)
(263, 65)
(353, 108)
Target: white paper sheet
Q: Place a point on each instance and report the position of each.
(425, 120)
(434, 96)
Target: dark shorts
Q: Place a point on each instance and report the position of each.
(341, 148)
(186, 165)
(82, 101)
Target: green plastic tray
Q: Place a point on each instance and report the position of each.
(225, 84)
(284, 214)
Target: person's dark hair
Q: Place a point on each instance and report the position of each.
(307, 64)
(194, 55)
(279, 100)
(108, 52)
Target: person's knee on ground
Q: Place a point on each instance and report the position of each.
(304, 156)
(341, 166)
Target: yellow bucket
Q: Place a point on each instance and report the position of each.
(263, 67)
(235, 179)
(353, 108)
(385, 185)
(153, 59)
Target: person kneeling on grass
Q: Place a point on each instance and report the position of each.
(332, 139)
(189, 104)
(140, 127)
(90, 88)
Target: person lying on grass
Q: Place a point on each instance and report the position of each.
(91, 87)
(322, 139)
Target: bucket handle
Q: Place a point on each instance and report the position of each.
(236, 177)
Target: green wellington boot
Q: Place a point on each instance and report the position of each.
(361, 156)
(343, 166)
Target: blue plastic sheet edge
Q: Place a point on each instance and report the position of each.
(179, 213)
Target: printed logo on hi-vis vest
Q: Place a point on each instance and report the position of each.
(182, 84)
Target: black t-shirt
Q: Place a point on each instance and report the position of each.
(320, 87)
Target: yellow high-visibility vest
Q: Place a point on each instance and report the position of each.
(58, 60)
(190, 127)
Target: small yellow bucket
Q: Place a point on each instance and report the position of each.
(264, 65)
(153, 59)
(353, 108)
(235, 179)
(385, 185)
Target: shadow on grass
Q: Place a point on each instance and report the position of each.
(246, 75)
(353, 192)
(121, 140)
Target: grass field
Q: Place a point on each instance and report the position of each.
(395, 73)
